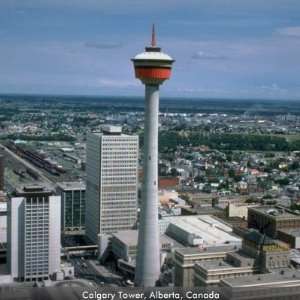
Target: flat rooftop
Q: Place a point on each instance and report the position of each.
(130, 237)
(214, 264)
(99, 134)
(275, 212)
(71, 185)
(197, 251)
(270, 279)
(206, 227)
(127, 237)
(35, 189)
(111, 129)
(242, 256)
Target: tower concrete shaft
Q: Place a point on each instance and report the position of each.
(148, 255)
(152, 67)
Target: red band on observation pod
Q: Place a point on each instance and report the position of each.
(153, 73)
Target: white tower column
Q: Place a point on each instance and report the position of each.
(152, 67)
(148, 256)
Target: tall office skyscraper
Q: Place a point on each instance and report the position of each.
(33, 234)
(111, 192)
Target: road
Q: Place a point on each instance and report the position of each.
(99, 274)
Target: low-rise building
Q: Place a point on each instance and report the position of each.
(201, 230)
(280, 285)
(291, 236)
(124, 244)
(238, 210)
(186, 258)
(269, 219)
(270, 254)
(209, 273)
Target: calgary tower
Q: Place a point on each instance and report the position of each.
(152, 67)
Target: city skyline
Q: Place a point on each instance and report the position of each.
(103, 187)
(224, 49)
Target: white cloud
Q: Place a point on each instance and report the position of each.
(205, 55)
(272, 87)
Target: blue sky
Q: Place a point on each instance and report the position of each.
(223, 48)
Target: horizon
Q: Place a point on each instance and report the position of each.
(223, 49)
(141, 97)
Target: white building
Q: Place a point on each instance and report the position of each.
(238, 210)
(203, 231)
(34, 234)
(112, 180)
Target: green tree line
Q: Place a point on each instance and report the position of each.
(169, 140)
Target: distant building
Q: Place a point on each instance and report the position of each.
(238, 210)
(34, 234)
(269, 219)
(112, 181)
(168, 182)
(243, 187)
(72, 207)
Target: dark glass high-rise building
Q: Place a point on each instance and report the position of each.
(73, 206)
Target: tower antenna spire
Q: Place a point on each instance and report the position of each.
(153, 38)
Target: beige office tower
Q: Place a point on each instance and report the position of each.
(112, 180)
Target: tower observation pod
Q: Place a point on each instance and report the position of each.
(152, 67)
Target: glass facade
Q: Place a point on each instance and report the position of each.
(73, 210)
